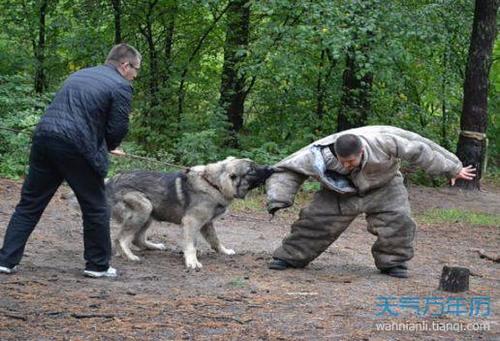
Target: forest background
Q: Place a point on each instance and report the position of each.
(257, 79)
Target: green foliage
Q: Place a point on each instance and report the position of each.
(422, 178)
(139, 159)
(20, 110)
(238, 282)
(13, 155)
(494, 109)
(268, 153)
(415, 50)
(493, 176)
(198, 147)
(437, 216)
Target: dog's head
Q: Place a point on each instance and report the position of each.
(236, 177)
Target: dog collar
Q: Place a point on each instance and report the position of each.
(211, 183)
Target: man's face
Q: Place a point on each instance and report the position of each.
(351, 162)
(129, 70)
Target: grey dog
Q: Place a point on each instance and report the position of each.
(192, 198)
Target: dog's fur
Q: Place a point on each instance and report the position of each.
(192, 199)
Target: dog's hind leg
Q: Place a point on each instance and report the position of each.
(140, 239)
(208, 232)
(136, 215)
(120, 213)
(124, 243)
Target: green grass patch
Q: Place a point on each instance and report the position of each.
(255, 201)
(492, 177)
(441, 215)
(238, 282)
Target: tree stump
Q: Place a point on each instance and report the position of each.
(454, 279)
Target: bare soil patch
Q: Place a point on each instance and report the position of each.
(237, 297)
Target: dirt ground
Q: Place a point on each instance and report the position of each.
(337, 297)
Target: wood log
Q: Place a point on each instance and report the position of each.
(454, 279)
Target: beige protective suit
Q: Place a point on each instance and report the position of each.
(375, 188)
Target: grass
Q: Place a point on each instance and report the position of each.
(238, 282)
(492, 177)
(439, 215)
(255, 201)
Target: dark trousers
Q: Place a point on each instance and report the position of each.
(53, 160)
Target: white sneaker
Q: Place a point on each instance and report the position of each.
(111, 272)
(6, 270)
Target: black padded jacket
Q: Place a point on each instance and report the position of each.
(90, 111)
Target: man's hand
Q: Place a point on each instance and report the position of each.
(118, 152)
(467, 173)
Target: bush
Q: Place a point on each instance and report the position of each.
(198, 147)
(20, 110)
(269, 153)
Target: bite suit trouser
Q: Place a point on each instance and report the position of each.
(328, 215)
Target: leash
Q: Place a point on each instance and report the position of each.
(149, 159)
(123, 154)
(18, 130)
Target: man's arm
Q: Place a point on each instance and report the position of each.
(281, 189)
(423, 153)
(117, 123)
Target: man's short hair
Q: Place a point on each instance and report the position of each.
(347, 145)
(123, 53)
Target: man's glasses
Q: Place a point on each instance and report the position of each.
(131, 65)
(134, 67)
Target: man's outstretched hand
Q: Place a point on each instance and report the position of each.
(118, 152)
(467, 173)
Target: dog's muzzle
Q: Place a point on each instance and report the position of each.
(259, 176)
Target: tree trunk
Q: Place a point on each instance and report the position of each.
(154, 74)
(320, 106)
(444, 107)
(471, 147)
(117, 12)
(180, 92)
(355, 97)
(40, 79)
(322, 84)
(169, 43)
(153, 66)
(232, 92)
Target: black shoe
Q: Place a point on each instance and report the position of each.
(279, 264)
(397, 271)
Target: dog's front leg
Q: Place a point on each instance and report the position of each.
(208, 232)
(191, 228)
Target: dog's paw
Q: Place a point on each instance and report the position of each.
(192, 263)
(228, 252)
(134, 258)
(156, 246)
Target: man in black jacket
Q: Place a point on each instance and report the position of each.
(87, 119)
